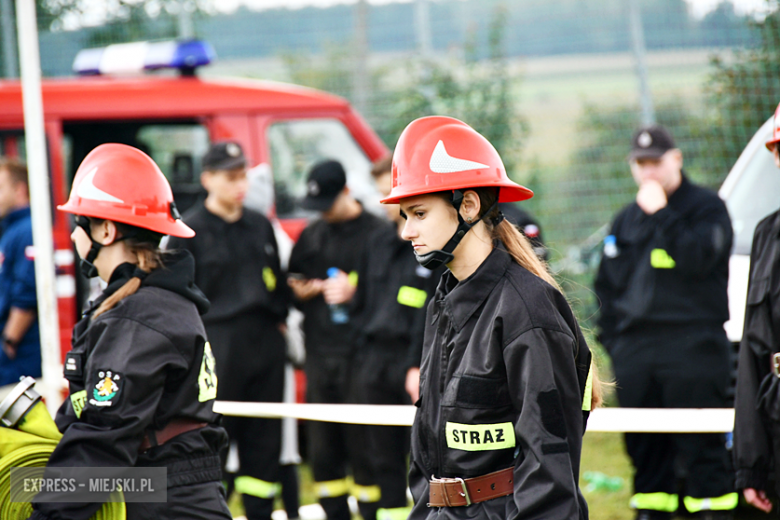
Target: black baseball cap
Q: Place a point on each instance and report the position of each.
(326, 180)
(224, 155)
(651, 142)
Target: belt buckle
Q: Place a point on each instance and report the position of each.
(465, 493)
(776, 364)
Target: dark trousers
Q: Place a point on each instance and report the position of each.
(379, 378)
(250, 353)
(205, 501)
(676, 367)
(334, 448)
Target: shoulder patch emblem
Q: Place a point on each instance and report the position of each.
(207, 379)
(107, 388)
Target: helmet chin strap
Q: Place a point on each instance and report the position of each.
(87, 265)
(439, 257)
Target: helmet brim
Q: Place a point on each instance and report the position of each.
(162, 225)
(509, 192)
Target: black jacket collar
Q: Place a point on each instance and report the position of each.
(463, 298)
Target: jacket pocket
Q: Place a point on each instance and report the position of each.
(769, 397)
(469, 391)
(758, 291)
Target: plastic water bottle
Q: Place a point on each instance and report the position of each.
(598, 481)
(338, 311)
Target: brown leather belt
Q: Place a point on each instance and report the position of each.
(172, 429)
(456, 492)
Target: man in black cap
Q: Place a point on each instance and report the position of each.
(237, 267)
(323, 275)
(662, 285)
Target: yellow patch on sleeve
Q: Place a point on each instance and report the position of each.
(269, 278)
(207, 379)
(77, 401)
(660, 259)
(411, 297)
(480, 437)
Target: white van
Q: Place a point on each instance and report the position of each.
(751, 192)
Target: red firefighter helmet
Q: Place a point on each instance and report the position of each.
(440, 153)
(775, 130)
(121, 183)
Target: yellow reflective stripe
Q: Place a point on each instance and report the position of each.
(411, 297)
(723, 503)
(587, 397)
(655, 502)
(395, 513)
(77, 401)
(480, 437)
(366, 493)
(660, 259)
(331, 488)
(269, 278)
(257, 488)
(353, 278)
(207, 378)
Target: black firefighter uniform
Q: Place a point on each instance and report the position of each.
(662, 285)
(135, 370)
(504, 384)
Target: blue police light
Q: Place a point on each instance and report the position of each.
(127, 58)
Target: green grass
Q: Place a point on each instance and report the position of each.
(605, 452)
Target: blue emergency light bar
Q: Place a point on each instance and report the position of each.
(128, 58)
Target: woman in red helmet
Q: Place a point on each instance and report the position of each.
(141, 372)
(757, 402)
(505, 385)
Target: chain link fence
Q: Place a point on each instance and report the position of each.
(557, 86)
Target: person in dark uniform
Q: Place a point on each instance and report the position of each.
(527, 225)
(757, 404)
(237, 267)
(21, 348)
(335, 242)
(506, 380)
(662, 287)
(141, 372)
(389, 317)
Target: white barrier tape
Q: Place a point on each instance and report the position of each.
(633, 420)
(384, 415)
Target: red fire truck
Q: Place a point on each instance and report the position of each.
(174, 118)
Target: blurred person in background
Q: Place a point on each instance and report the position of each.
(323, 271)
(757, 422)
(389, 317)
(260, 197)
(506, 380)
(21, 348)
(527, 225)
(237, 267)
(662, 287)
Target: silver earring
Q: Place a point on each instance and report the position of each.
(469, 219)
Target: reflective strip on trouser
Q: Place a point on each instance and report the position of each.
(331, 488)
(257, 488)
(724, 503)
(395, 513)
(366, 493)
(655, 502)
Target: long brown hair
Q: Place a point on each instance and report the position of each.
(521, 251)
(144, 245)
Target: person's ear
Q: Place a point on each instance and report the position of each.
(205, 179)
(469, 208)
(678, 157)
(106, 233)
